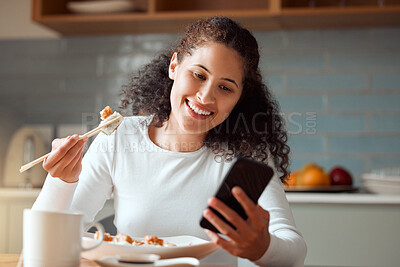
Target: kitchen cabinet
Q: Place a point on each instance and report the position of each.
(173, 15)
(12, 204)
(13, 201)
(348, 229)
(3, 227)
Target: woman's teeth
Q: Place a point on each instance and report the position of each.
(197, 110)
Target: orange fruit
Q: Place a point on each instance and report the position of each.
(292, 179)
(313, 175)
(310, 165)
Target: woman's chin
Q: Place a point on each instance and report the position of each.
(192, 128)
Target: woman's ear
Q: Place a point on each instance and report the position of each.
(172, 66)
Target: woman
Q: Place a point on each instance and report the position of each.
(196, 108)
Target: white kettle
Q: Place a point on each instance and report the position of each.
(25, 146)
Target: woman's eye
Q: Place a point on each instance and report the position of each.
(225, 88)
(198, 75)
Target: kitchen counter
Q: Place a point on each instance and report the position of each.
(311, 198)
(13, 201)
(342, 198)
(19, 193)
(362, 228)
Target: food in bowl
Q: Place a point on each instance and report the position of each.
(122, 239)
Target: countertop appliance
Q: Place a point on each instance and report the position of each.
(25, 146)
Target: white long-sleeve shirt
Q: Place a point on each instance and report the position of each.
(164, 193)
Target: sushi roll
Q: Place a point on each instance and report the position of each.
(107, 115)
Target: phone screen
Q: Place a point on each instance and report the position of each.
(251, 176)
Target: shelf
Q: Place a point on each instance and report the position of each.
(337, 17)
(158, 16)
(337, 3)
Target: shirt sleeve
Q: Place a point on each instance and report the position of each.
(56, 195)
(88, 195)
(287, 246)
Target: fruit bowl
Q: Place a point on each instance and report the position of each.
(322, 189)
(313, 178)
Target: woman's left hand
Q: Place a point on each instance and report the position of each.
(251, 238)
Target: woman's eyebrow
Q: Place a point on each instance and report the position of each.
(226, 79)
(230, 80)
(201, 66)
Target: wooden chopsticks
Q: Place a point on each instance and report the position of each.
(88, 134)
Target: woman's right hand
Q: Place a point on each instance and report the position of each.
(65, 159)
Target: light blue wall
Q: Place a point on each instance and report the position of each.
(340, 93)
(339, 89)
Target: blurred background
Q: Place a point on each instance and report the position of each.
(338, 86)
(339, 89)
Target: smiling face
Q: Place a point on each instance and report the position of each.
(207, 85)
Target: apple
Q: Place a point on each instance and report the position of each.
(340, 176)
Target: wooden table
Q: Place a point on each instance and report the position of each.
(11, 260)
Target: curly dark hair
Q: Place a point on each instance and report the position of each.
(254, 129)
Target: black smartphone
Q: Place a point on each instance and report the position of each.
(251, 176)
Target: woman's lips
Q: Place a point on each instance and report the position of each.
(197, 115)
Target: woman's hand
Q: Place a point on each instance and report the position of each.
(65, 160)
(251, 238)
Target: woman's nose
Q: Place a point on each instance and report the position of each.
(206, 95)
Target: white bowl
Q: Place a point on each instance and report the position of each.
(390, 173)
(381, 184)
(186, 246)
(380, 178)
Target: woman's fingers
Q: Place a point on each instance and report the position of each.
(221, 242)
(232, 216)
(257, 217)
(78, 167)
(60, 148)
(58, 142)
(69, 160)
(222, 226)
(73, 169)
(65, 160)
(74, 156)
(251, 238)
(250, 208)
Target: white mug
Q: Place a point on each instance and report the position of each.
(54, 238)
